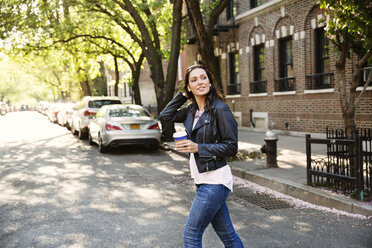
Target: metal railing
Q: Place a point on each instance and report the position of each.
(320, 81)
(285, 84)
(365, 135)
(258, 86)
(347, 166)
(233, 89)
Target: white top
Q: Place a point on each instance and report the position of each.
(220, 176)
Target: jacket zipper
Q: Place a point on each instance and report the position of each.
(204, 142)
(188, 133)
(214, 157)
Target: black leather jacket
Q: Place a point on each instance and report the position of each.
(216, 132)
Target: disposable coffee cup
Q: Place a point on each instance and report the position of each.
(179, 136)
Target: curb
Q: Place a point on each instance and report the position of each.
(303, 192)
(307, 193)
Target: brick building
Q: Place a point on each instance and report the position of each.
(278, 68)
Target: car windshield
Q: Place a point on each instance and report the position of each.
(128, 112)
(100, 103)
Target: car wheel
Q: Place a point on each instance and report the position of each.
(73, 130)
(82, 134)
(154, 147)
(91, 142)
(101, 147)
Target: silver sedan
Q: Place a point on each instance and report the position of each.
(123, 124)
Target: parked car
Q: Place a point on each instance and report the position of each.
(64, 113)
(53, 111)
(123, 124)
(42, 107)
(85, 110)
(70, 115)
(3, 108)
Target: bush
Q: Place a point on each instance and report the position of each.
(242, 155)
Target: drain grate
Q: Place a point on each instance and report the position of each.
(264, 201)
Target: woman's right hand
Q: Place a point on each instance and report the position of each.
(187, 146)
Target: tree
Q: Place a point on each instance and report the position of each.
(52, 72)
(349, 28)
(147, 23)
(17, 84)
(204, 31)
(32, 27)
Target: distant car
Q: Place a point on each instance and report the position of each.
(53, 110)
(85, 110)
(70, 114)
(123, 124)
(64, 113)
(24, 107)
(42, 107)
(3, 108)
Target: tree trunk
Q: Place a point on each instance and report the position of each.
(136, 72)
(170, 84)
(347, 102)
(151, 47)
(205, 36)
(211, 62)
(85, 88)
(117, 79)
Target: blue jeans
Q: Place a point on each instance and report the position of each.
(209, 206)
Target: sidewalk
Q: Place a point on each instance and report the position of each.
(290, 176)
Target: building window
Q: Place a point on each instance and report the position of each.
(323, 78)
(230, 10)
(255, 3)
(322, 51)
(286, 81)
(259, 63)
(285, 58)
(234, 86)
(259, 83)
(365, 71)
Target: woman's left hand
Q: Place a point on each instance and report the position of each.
(187, 146)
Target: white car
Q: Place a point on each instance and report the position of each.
(123, 124)
(63, 114)
(53, 111)
(85, 110)
(3, 108)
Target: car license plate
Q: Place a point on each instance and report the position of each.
(134, 126)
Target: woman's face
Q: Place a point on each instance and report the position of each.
(199, 83)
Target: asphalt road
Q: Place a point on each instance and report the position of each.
(58, 191)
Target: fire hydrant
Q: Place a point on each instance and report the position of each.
(271, 149)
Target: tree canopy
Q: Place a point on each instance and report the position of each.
(349, 27)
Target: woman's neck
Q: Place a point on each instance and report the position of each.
(201, 102)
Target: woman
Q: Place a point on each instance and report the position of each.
(212, 136)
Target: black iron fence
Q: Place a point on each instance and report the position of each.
(319, 81)
(258, 86)
(285, 84)
(347, 164)
(233, 89)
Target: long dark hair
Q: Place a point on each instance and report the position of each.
(212, 95)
